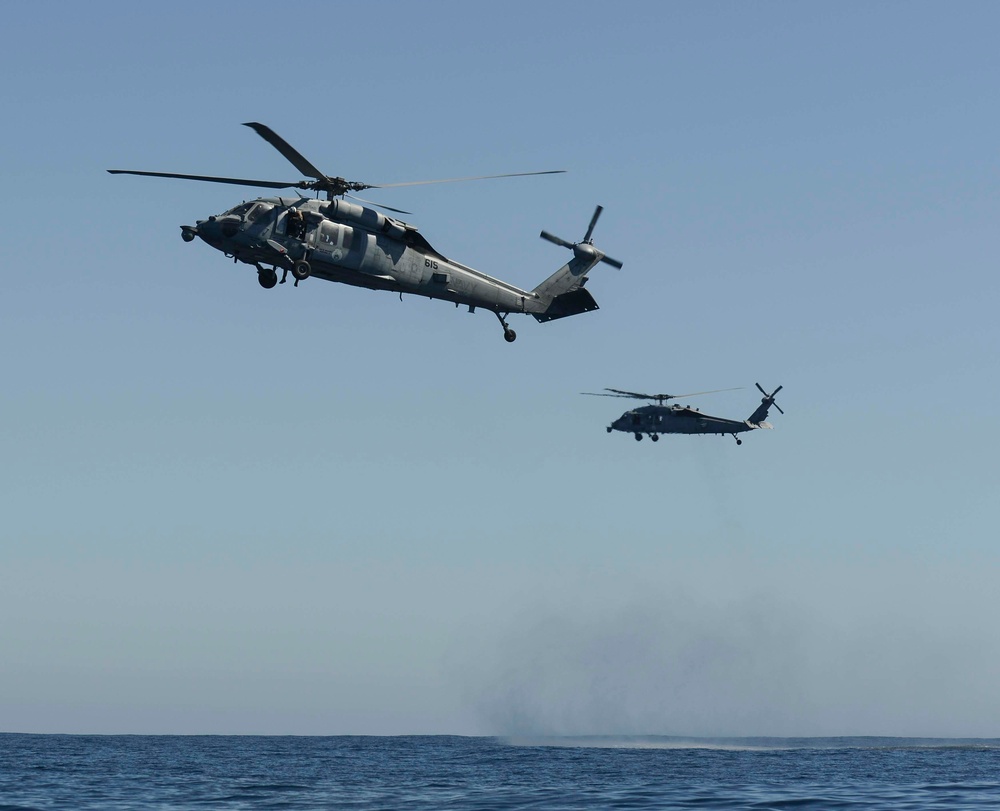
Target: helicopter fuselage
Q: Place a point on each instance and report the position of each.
(340, 241)
(675, 419)
(653, 420)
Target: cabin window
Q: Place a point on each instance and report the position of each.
(332, 235)
(439, 278)
(329, 235)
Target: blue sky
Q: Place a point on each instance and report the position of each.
(322, 510)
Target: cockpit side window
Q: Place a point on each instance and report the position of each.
(257, 212)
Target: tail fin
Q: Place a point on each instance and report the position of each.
(766, 402)
(562, 294)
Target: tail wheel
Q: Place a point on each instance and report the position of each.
(301, 270)
(508, 334)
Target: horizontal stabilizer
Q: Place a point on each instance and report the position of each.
(572, 303)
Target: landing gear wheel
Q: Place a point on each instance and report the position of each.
(638, 437)
(508, 334)
(609, 430)
(654, 437)
(739, 441)
(301, 270)
(267, 278)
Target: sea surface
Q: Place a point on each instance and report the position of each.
(443, 772)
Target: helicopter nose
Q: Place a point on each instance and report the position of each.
(209, 230)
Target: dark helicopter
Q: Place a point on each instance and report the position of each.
(674, 419)
(342, 241)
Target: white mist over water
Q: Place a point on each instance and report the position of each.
(754, 665)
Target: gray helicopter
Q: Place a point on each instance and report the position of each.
(342, 241)
(674, 419)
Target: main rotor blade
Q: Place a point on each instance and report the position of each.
(662, 397)
(634, 394)
(710, 391)
(291, 154)
(264, 184)
(463, 179)
(377, 205)
(593, 222)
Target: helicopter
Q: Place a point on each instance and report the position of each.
(343, 241)
(674, 419)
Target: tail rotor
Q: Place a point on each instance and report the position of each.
(584, 249)
(768, 400)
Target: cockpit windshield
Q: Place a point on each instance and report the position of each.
(239, 211)
(250, 212)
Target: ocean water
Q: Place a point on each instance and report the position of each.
(442, 772)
